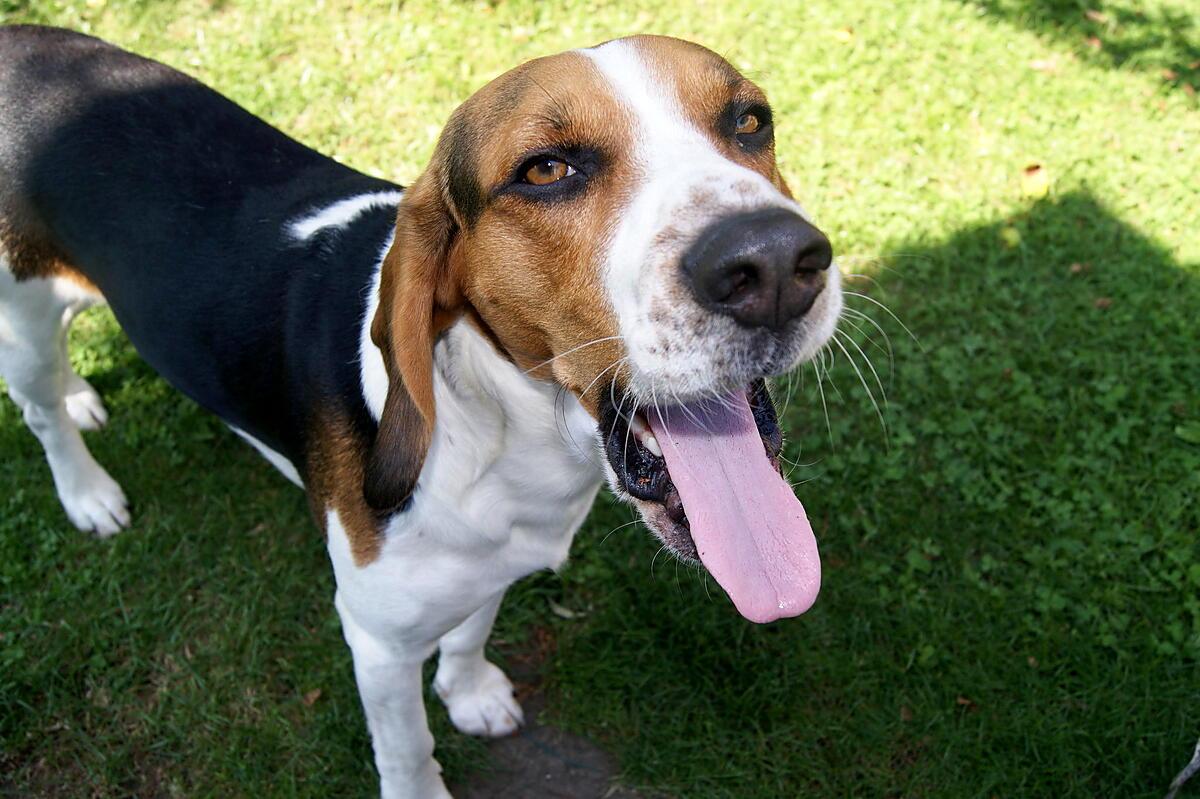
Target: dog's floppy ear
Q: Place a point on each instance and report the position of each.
(418, 299)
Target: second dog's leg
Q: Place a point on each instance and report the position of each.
(477, 693)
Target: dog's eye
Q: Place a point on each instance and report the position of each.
(747, 124)
(749, 127)
(545, 171)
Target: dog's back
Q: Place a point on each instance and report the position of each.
(140, 184)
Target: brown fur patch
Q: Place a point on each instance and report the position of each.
(333, 479)
(532, 271)
(30, 255)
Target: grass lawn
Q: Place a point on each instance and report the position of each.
(1011, 603)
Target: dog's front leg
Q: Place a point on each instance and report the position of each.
(389, 682)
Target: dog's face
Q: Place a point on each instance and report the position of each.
(614, 221)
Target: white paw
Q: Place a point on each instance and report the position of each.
(481, 702)
(84, 405)
(94, 502)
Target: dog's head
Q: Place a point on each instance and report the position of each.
(614, 221)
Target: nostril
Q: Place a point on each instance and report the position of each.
(813, 259)
(744, 277)
(739, 279)
(809, 277)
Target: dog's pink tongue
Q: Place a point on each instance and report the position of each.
(749, 528)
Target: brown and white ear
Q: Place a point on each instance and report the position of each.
(418, 298)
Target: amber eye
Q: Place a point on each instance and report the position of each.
(747, 123)
(545, 171)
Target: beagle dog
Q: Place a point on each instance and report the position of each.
(590, 282)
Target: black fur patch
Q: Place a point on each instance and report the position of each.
(462, 172)
(177, 204)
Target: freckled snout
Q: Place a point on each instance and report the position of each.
(763, 268)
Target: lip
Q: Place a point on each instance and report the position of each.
(642, 473)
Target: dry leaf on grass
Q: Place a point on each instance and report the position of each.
(563, 612)
(1035, 182)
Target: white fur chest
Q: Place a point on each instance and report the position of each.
(513, 467)
(511, 474)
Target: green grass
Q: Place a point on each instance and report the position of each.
(1011, 603)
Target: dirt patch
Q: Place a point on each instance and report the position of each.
(542, 761)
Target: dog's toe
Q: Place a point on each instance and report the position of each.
(84, 406)
(484, 705)
(97, 505)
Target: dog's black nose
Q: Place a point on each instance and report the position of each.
(762, 268)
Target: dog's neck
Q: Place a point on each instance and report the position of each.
(510, 454)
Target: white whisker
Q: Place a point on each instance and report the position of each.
(888, 311)
(828, 370)
(616, 363)
(824, 405)
(886, 348)
(655, 559)
(573, 349)
(619, 527)
(866, 388)
(871, 366)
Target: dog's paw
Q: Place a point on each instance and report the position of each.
(481, 702)
(95, 503)
(84, 405)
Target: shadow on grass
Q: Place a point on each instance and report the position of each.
(1010, 595)
(1117, 33)
(1010, 591)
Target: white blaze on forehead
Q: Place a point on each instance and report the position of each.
(684, 183)
(665, 144)
(653, 115)
(668, 153)
(656, 110)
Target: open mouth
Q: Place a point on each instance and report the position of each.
(706, 477)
